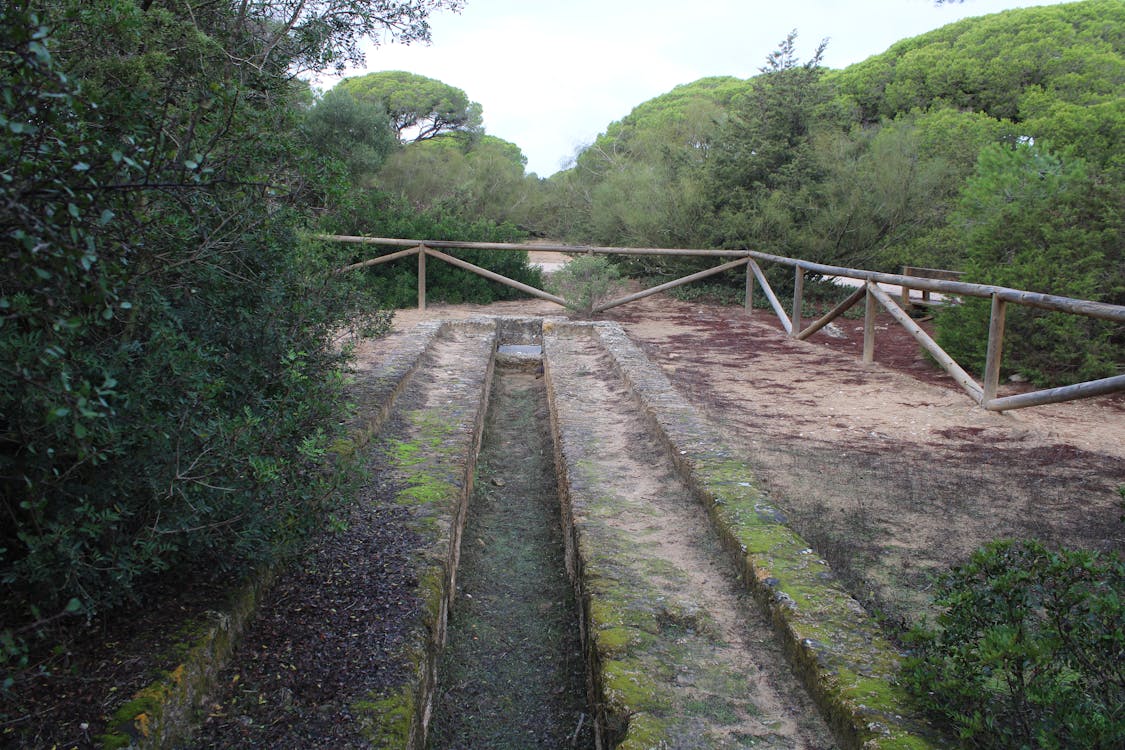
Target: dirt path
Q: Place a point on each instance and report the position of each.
(512, 674)
(730, 686)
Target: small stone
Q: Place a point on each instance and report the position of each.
(1017, 378)
(498, 481)
(834, 331)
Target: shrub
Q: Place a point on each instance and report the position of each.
(1032, 219)
(585, 282)
(1029, 653)
(168, 342)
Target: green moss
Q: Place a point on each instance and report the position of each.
(645, 732)
(114, 741)
(425, 490)
(614, 641)
(432, 590)
(421, 461)
(628, 689)
(719, 711)
(386, 721)
(133, 719)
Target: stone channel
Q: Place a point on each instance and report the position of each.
(676, 608)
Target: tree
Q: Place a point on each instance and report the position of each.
(639, 182)
(419, 107)
(1031, 218)
(474, 178)
(992, 64)
(321, 34)
(357, 133)
(764, 159)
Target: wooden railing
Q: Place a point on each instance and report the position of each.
(925, 273)
(983, 393)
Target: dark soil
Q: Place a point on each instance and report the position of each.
(728, 329)
(326, 634)
(79, 672)
(512, 674)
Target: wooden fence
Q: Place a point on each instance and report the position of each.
(983, 393)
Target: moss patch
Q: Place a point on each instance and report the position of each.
(386, 721)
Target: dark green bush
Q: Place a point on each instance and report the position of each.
(1032, 219)
(1029, 652)
(168, 342)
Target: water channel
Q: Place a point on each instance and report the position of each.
(512, 674)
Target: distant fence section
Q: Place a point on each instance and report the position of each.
(983, 392)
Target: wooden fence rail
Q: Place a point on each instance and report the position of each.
(983, 393)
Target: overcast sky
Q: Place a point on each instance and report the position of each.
(552, 74)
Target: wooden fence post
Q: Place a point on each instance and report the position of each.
(798, 299)
(422, 278)
(749, 288)
(869, 311)
(995, 347)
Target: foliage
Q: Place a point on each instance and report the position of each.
(396, 283)
(1029, 651)
(712, 293)
(345, 129)
(168, 342)
(992, 64)
(585, 282)
(1032, 219)
(764, 159)
(638, 183)
(470, 177)
(419, 107)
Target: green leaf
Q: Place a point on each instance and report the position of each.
(57, 413)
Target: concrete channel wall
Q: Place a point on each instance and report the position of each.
(438, 477)
(836, 647)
